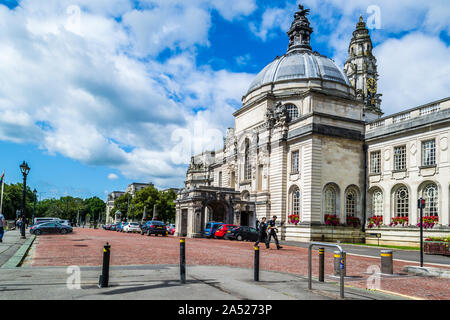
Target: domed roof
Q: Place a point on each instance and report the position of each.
(299, 65)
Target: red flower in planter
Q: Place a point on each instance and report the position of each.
(375, 221)
(353, 221)
(429, 221)
(294, 218)
(331, 219)
(399, 221)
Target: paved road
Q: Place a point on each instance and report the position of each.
(11, 243)
(407, 255)
(161, 282)
(84, 248)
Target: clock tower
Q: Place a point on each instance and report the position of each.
(361, 70)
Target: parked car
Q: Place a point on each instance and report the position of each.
(154, 227)
(211, 228)
(119, 227)
(171, 228)
(242, 233)
(131, 227)
(223, 229)
(45, 219)
(50, 227)
(113, 227)
(107, 226)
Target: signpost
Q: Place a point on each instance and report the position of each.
(421, 205)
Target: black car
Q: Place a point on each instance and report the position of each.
(243, 233)
(154, 227)
(50, 227)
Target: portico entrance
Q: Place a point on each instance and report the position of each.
(197, 206)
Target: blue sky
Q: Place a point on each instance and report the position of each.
(97, 94)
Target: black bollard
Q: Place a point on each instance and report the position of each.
(321, 264)
(182, 261)
(104, 277)
(256, 274)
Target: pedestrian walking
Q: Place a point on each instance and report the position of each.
(272, 231)
(2, 226)
(262, 232)
(19, 224)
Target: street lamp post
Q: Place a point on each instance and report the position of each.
(34, 207)
(25, 169)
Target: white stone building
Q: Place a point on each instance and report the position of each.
(309, 140)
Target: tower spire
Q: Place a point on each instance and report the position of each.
(361, 68)
(300, 32)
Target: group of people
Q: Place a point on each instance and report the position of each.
(18, 223)
(267, 231)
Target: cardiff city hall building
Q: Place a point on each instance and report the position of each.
(311, 145)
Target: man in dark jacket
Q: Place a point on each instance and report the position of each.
(272, 230)
(262, 232)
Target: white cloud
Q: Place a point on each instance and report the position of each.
(113, 176)
(413, 70)
(79, 91)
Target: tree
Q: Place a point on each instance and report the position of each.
(165, 206)
(121, 204)
(145, 198)
(12, 200)
(95, 207)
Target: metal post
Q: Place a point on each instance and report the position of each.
(421, 236)
(182, 261)
(342, 265)
(104, 277)
(256, 272)
(387, 263)
(337, 263)
(342, 259)
(321, 264)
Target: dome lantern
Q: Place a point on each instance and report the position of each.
(300, 31)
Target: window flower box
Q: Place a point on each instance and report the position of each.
(374, 221)
(331, 220)
(294, 219)
(429, 222)
(399, 221)
(355, 222)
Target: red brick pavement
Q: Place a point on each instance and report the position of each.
(84, 248)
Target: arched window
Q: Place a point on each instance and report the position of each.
(330, 200)
(402, 202)
(296, 201)
(292, 111)
(377, 203)
(247, 165)
(351, 203)
(430, 194)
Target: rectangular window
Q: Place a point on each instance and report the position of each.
(429, 153)
(400, 158)
(375, 162)
(295, 161)
(220, 178)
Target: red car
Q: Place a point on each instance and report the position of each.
(222, 230)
